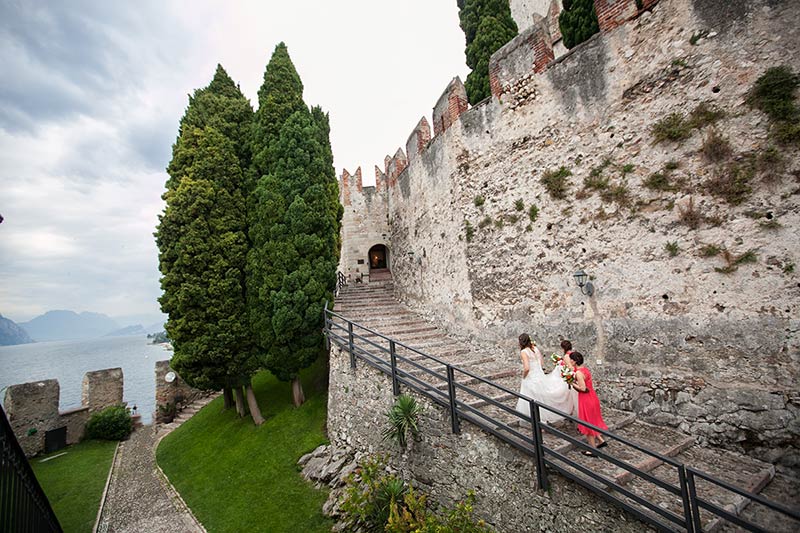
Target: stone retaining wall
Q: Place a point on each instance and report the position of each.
(446, 466)
(177, 391)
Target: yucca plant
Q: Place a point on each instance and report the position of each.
(403, 419)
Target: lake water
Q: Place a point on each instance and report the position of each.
(68, 361)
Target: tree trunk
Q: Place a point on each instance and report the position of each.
(297, 392)
(255, 410)
(237, 394)
(227, 396)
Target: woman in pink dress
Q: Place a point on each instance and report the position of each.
(588, 403)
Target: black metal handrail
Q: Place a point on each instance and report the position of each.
(24, 507)
(684, 492)
(341, 281)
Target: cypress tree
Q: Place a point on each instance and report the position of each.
(294, 229)
(280, 95)
(487, 26)
(577, 21)
(202, 239)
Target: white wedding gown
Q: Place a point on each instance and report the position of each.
(548, 389)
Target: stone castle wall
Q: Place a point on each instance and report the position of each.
(177, 391)
(445, 466)
(32, 408)
(670, 337)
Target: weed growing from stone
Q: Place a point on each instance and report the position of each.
(513, 219)
(788, 268)
(556, 182)
(689, 214)
(672, 248)
(598, 170)
(710, 250)
(697, 35)
(773, 93)
(627, 169)
(704, 114)
(469, 231)
(770, 164)
(732, 262)
(679, 63)
(485, 222)
(618, 193)
(671, 165)
(479, 201)
(529, 227)
(732, 183)
(499, 222)
(533, 213)
(716, 148)
(519, 205)
(659, 181)
(595, 182)
(673, 127)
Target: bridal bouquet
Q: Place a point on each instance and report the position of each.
(557, 359)
(567, 374)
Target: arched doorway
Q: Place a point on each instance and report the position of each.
(378, 258)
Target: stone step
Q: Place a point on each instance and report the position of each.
(743, 472)
(783, 489)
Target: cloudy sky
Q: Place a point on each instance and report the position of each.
(93, 91)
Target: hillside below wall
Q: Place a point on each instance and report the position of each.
(668, 336)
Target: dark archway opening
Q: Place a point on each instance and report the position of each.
(378, 257)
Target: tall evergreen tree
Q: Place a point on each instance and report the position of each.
(202, 239)
(280, 95)
(577, 21)
(295, 226)
(487, 26)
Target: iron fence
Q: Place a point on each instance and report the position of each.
(439, 381)
(24, 508)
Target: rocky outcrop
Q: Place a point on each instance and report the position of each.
(11, 333)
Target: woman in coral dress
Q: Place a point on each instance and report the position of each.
(588, 403)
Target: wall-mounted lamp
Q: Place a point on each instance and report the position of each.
(411, 254)
(582, 279)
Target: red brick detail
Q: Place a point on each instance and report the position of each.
(419, 138)
(359, 182)
(345, 187)
(613, 13)
(542, 52)
(494, 79)
(395, 167)
(450, 105)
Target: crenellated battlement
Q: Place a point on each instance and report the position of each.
(532, 51)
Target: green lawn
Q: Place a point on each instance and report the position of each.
(74, 482)
(237, 477)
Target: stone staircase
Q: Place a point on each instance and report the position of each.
(185, 414)
(375, 307)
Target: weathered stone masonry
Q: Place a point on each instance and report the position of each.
(678, 342)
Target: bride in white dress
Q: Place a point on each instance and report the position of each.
(548, 389)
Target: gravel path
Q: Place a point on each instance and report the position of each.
(139, 499)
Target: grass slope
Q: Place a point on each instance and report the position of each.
(237, 477)
(74, 482)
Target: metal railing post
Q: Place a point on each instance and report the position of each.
(451, 392)
(687, 506)
(690, 498)
(393, 357)
(351, 345)
(536, 424)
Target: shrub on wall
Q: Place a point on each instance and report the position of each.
(375, 500)
(112, 423)
(577, 21)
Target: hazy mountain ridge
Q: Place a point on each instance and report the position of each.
(11, 333)
(136, 329)
(64, 325)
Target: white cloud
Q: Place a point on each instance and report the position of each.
(91, 102)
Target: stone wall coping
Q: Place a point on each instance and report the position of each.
(74, 410)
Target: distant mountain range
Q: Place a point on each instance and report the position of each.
(67, 325)
(11, 333)
(64, 325)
